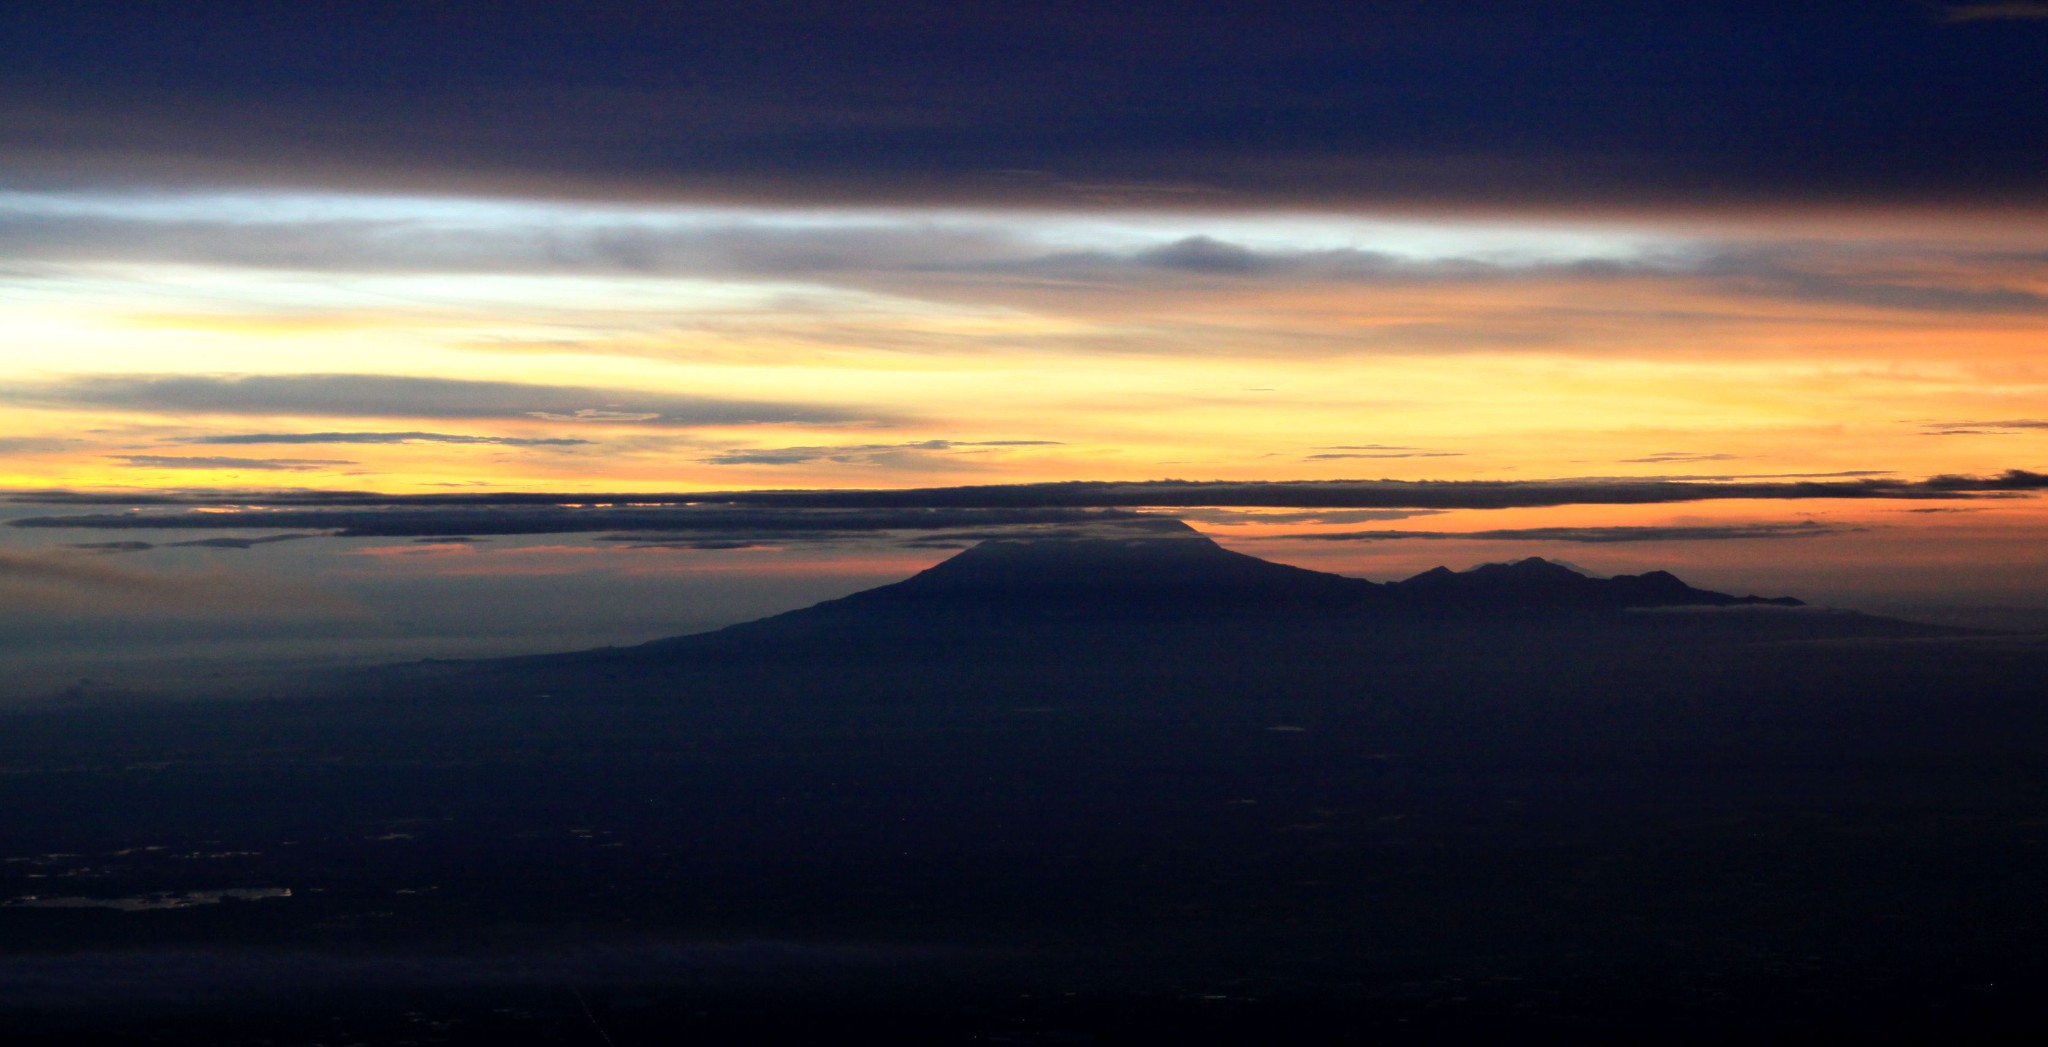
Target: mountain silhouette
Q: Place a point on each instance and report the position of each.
(1178, 574)
(1171, 597)
(1538, 584)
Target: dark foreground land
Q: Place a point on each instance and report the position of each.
(1086, 810)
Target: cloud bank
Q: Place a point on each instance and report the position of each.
(355, 513)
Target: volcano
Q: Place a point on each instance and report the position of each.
(1174, 577)
(1089, 613)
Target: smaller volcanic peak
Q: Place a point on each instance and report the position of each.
(1536, 584)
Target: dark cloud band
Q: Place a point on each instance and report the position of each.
(952, 507)
(637, 523)
(1145, 103)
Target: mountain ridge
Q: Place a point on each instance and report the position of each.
(1168, 612)
(1196, 574)
(1092, 589)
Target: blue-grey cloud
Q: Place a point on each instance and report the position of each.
(990, 260)
(1202, 254)
(111, 547)
(1671, 457)
(2006, 427)
(854, 454)
(237, 543)
(382, 438)
(1327, 456)
(201, 543)
(35, 444)
(625, 246)
(1240, 517)
(396, 396)
(294, 465)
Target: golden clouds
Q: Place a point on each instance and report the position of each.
(680, 348)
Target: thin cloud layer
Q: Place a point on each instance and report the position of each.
(1331, 456)
(294, 465)
(394, 396)
(201, 543)
(1672, 457)
(851, 454)
(949, 507)
(2006, 427)
(992, 258)
(725, 520)
(1402, 494)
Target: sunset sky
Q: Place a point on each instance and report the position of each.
(250, 251)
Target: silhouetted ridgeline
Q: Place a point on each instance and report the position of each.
(1179, 597)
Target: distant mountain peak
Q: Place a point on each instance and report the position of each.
(1173, 567)
(1122, 585)
(1535, 584)
(1529, 567)
(1176, 571)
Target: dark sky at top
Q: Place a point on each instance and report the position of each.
(1526, 105)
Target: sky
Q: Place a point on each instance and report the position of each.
(1751, 291)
